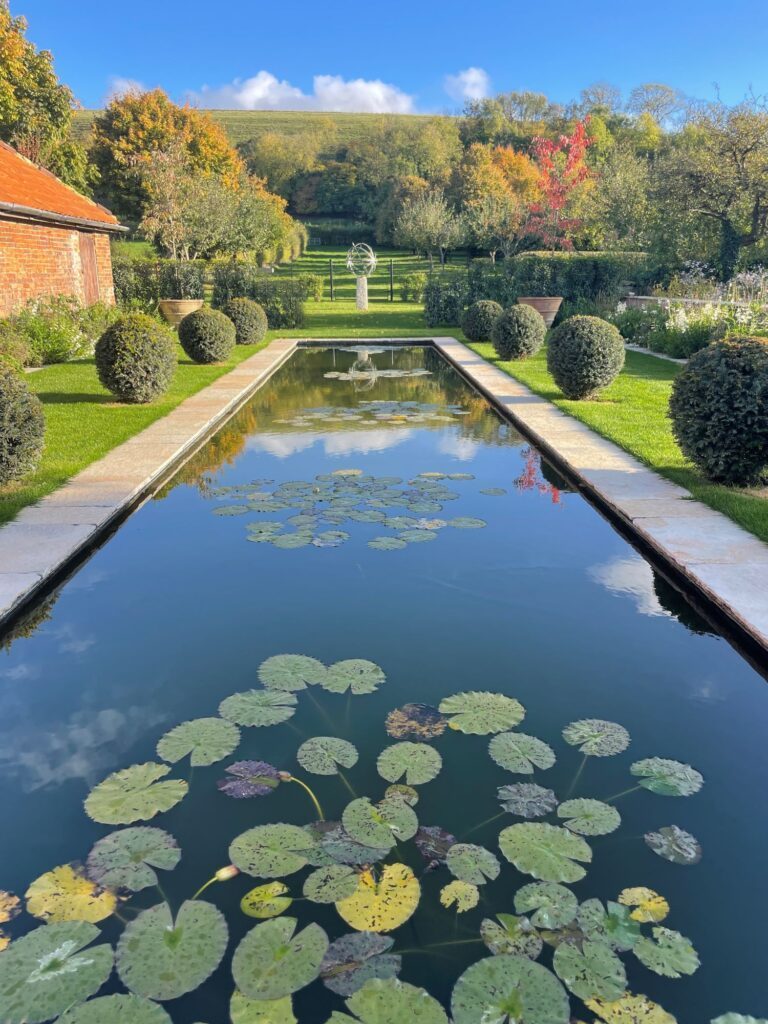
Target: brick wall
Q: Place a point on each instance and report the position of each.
(38, 259)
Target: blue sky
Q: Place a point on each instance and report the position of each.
(398, 54)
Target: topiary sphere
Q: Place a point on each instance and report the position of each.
(477, 321)
(207, 335)
(584, 354)
(519, 332)
(22, 427)
(719, 410)
(136, 358)
(249, 319)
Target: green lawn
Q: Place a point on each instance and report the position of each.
(632, 412)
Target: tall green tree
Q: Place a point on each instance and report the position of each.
(428, 223)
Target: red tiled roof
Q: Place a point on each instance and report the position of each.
(25, 185)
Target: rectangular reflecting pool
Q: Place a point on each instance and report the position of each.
(444, 588)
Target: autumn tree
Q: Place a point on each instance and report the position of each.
(563, 175)
(497, 187)
(138, 124)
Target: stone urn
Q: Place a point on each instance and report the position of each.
(546, 305)
(174, 310)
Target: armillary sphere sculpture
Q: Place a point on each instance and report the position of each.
(361, 261)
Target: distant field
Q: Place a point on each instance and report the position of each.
(242, 125)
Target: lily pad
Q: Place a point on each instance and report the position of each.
(482, 713)
(674, 844)
(65, 894)
(45, 972)
(273, 960)
(527, 800)
(417, 721)
(328, 885)
(493, 492)
(118, 1009)
(10, 906)
(738, 1018)
(390, 1001)
(415, 763)
(589, 817)
(322, 755)
(667, 778)
(630, 1010)
(520, 753)
(206, 740)
(597, 738)
(355, 675)
(382, 901)
(125, 859)
(247, 779)
(330, 539)
(462, 895)
(258, 707)
(612, 924)
(418, 536)
(336, 846)
(291, 672)
(472, 863)
(268, 900)
(554, 905)
(649, 906)
(356, 958)
(511, 935)
(243, 1010)
(502, 988)
(160, 958)
(134, 794)
(407, 793)
(289, 541)
(433, 843)
(592, 971)
(668, 953)
(547, 852)
(379, 825)
(467, 523)
(387, 544)
(272, 851)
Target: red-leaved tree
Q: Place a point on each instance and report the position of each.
(563, 170)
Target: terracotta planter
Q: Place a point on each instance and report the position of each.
(174, 310)
(547, 306)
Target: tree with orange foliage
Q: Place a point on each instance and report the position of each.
(138, 124)
(498, 188)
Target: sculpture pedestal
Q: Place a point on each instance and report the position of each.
(361, 296)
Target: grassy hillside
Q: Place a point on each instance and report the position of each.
(242, 125)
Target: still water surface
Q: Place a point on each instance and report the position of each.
(547, 603)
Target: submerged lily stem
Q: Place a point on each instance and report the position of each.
(624, 792)
(312, 796)
(348, 784)
(162, 893)
(486, 822)
(577, 776)
(320, 709)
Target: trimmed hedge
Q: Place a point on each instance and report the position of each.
(282, 299)
(719, 410)
(22, 427)
(207, 335)
(584, 355)
(444, 301)
(312, 285)
(477, 321)
(519, 332)
(412, 286)
(136, 358)
(249, 319)
(141, 283)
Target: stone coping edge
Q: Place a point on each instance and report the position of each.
(709, 553)
(46, 540)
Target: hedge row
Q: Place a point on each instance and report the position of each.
(282, 299)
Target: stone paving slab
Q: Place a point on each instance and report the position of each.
(725, 562)
(46, 536)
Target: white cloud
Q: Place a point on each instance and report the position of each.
(630, 577)
(264, 91)
(470, 84)
(119, 87)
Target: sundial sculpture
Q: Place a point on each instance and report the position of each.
(361, 261)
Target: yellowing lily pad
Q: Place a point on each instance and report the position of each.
(630, 1010)
(10, 906)
(65, 894)
(463, 895)
(649, 906)
(268, 900)
(134, 794)
(384, 902)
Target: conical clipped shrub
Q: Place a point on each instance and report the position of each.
(519, 332)
(249, 319)
(584, 355)
(207, 335)
(477, 321)
(22, 427)
(719, 410)
(136, 358)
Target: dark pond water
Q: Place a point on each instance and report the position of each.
(546, 603)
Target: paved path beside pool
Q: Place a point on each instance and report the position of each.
(47, 536)
(725, 562)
